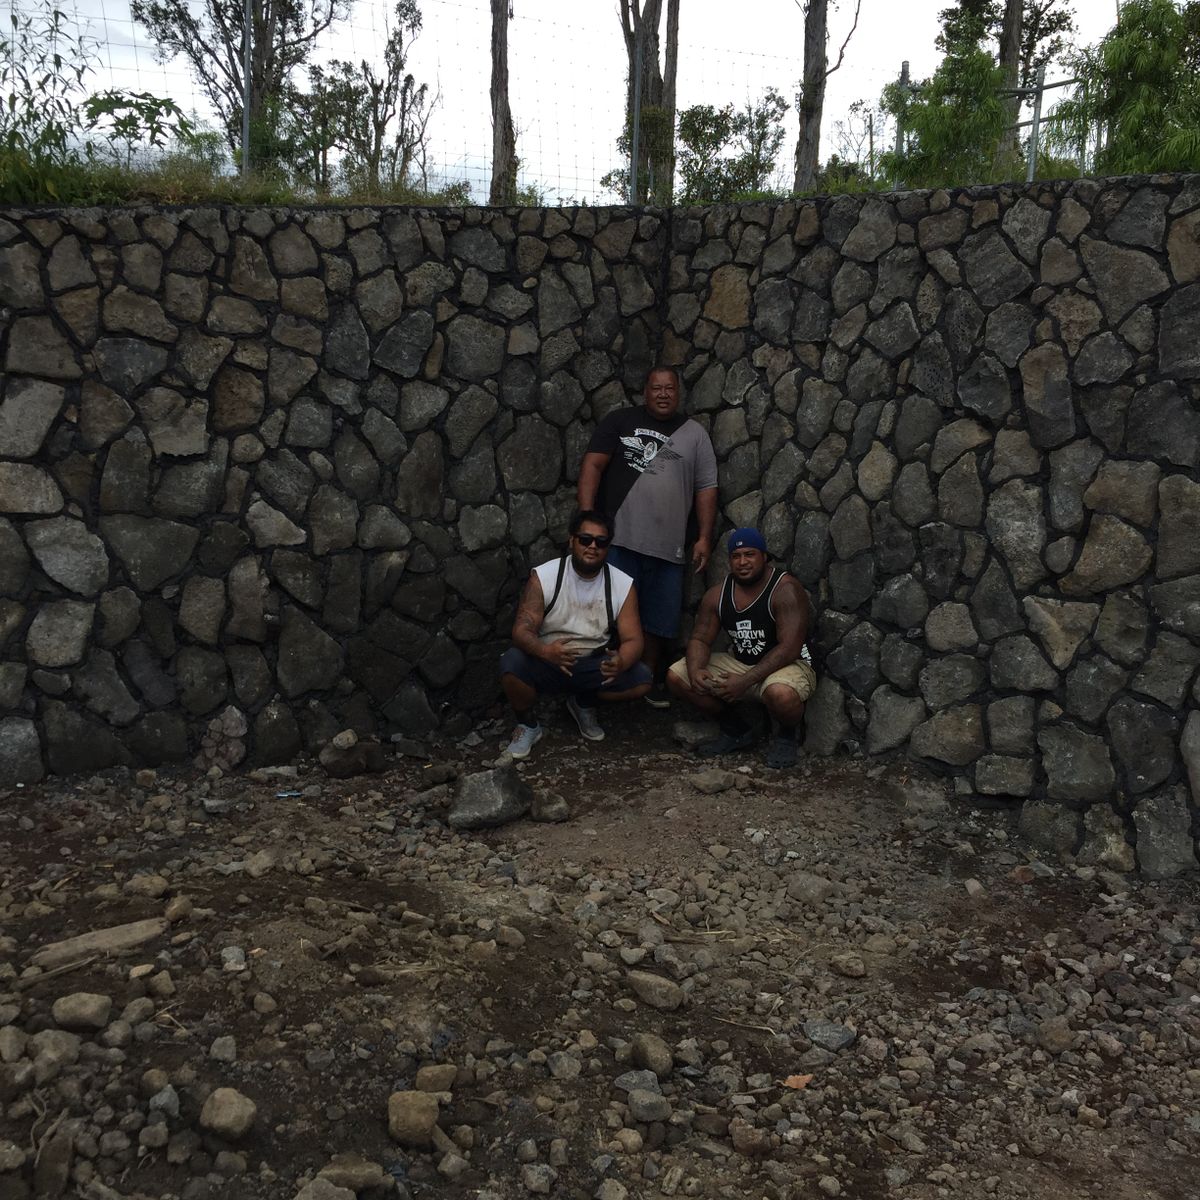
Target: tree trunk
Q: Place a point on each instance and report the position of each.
(640, 19)
(1010, 63)
(811, 102)
(665, 191)
(504, 141)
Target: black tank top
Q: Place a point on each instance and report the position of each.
(751, 629)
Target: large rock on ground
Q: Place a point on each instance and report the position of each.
(489, 798)
(1164, 835)
(20, 752)
(1049, 825)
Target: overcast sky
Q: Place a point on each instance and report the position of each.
(567, 70)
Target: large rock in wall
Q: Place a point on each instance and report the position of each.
(264, 474)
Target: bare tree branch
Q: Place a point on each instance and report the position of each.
(842, 52)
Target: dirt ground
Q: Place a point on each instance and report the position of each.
(1013, 1027)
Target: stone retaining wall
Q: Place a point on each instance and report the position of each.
(265, 474)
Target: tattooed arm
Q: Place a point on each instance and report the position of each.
(527, 624)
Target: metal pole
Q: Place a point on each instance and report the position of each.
(249, 28)
(1031, 166)
(900, 125)
(637, 117)
(1083, 139)
(871, 136)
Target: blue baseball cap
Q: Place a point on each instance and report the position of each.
(747, 539)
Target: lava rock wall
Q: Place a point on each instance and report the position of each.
(969, 422)
(265, 474)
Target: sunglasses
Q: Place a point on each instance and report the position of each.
(586, 539)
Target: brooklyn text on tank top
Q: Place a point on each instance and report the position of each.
(752, 630)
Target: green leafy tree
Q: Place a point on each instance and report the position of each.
(952, 124)
(1141, 86)
(725, 152)
(1046, 28)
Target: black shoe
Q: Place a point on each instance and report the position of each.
(726, 743)
(658, 696)
(781, 753)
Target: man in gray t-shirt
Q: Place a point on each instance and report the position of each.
(648, 468)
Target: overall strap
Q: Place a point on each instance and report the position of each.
(612, 624)
(558, 582)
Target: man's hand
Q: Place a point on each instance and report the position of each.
(610, 666)
(730, 688)
(701, 553)
(561, 654)
(701, 679)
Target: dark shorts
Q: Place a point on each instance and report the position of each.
(547, 680)
(659, 588)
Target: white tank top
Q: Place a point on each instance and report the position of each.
(580, 613)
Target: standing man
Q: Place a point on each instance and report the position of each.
(577, 633)
(764, 611)
(649, 467)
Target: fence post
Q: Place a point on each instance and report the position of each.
(249, 27)
(900, 126)
(1035, 129)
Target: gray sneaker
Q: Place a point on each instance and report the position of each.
(523, 740)
(585, 718)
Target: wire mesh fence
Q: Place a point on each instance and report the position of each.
(567, 85)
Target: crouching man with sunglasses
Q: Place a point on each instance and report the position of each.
(576, 633)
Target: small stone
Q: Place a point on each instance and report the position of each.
(82, 1010)
(324, 1189)
(655, 990)
(538, 1178)
(1055, 1035)
(848, 964)
(228, 1113)
(829, 1035)
(645, 1106)
(223, 1049)
(652, 1053)
(549, 807)
(436, 1077)
(411, 1118)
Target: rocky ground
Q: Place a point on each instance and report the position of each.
(834, 981)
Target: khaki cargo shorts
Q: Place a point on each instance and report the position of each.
(799, 675)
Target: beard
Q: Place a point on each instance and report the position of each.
(587, 570)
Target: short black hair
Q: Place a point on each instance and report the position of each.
(594, 515)
(663, 369)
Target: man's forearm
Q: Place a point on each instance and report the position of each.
(588, 485)
(696, 655)
(630, 651)
(525, 638)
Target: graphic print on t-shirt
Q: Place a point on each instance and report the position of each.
(748, 641)
(643, 446)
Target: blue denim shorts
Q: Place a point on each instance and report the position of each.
(659, 588)
(548, 680)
